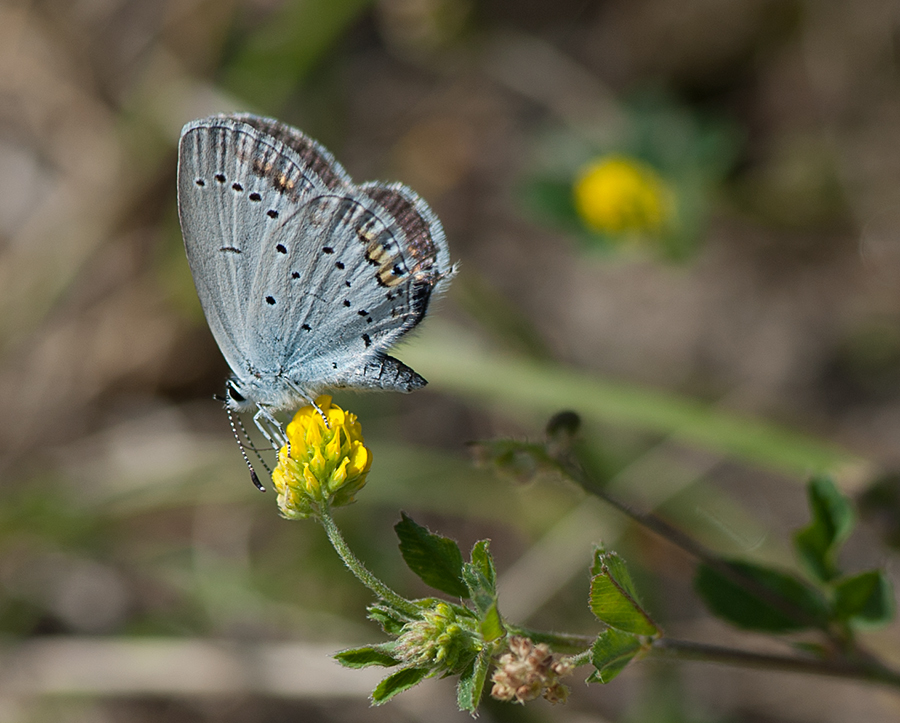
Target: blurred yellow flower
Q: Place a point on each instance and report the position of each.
(327, 465)
(620, 195)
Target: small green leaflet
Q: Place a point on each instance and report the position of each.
(741, 606)
(613, 597)
(397, 683)
(832, 521)
(366, 656)
(471, 682)
(866, 599)
(435, 559)
(611, 653)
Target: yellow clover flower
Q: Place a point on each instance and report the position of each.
(620, 195)
(327, 465)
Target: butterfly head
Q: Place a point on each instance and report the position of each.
(236, 396)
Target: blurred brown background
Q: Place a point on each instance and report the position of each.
(126, 517)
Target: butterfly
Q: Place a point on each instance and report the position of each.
(306, 279)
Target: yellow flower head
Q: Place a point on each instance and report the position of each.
(327, 465)
(620, 195)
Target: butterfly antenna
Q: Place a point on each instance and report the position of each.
(253, 476)
(253, 447)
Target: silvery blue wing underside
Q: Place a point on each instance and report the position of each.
(305, 278)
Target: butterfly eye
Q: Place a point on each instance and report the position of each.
(234, 394)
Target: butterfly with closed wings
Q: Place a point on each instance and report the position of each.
(306, 278)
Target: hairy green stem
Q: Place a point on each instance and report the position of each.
(362, 573)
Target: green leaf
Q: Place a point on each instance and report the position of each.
(613, 597)
(397, 683)
(483, 561)
(435, 559)
(471, 682)
(611, 652)
(366, 656)
(750, 606)
(866, 598)
(491, 625)
(389, 619)
(832, 521)
(616, 565)
(480, 579)
(597, 561)
(480, 589)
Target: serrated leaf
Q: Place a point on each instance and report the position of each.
(832, 521)
(483, 561)
(491, 625)
(435, 559)
(867, 598)
(480, 589)
(389, 619)
(471, 682)
(597, 561)
(611, 653)
(617, 568)
(481, 578)
(748, 609)
(613, 597)
(366, 656)
(397, 683)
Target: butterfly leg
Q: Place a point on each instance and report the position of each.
(271, 428)
(309, 400)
